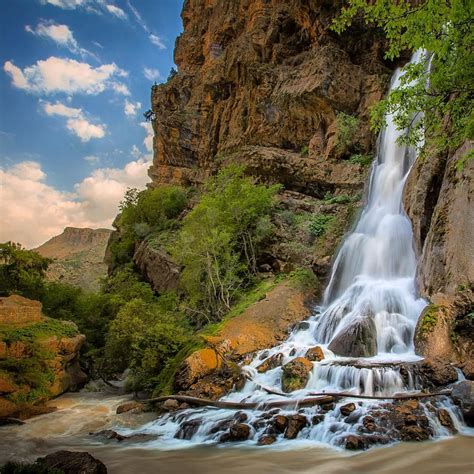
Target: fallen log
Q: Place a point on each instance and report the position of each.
(381, 397)
(289, 402)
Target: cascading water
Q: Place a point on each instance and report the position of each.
(372, 283)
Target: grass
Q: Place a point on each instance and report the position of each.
(40, 330)
(303, 278)
(359, 159)
(318, 225)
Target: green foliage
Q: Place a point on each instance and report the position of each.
(429, 320)
(339, 199)
(304, 151)
(346, 129)
(21, 271)
(144, 337)
(40, 330)
(359, 159)
(303, 278)
(319, 224)
(440, 96)
(220, 239)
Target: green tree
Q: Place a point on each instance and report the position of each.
(21, 271)
(439, 95)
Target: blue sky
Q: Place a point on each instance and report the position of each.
(74, 83)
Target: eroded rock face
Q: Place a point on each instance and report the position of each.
(357, 339)
(261, 82)
(463, 395)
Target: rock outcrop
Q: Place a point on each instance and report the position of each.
(438, 197)
(39, 357)
(357, 339)
(78, 256)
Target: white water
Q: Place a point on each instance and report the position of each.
(373, 277)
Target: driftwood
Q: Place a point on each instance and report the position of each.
(314, 399)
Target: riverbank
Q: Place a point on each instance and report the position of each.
(81, 413)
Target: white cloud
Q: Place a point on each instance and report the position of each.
(31, 211)
(116, 11)
(60, 34)
(56, 75)
(151, 74)
(148, 141)
(76, 122)
(66, 4)
(157, 41)
(131, 108)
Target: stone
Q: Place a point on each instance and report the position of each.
(462, 394)
(129, 406)
(187, 429)
(445, 419)
(280, 422)
(357, 339)
(295, 374)
(266, 440)
(171, 405)
(436, 372)
(109, 434)
(271, 363)
(239, 432)
(295, 424)
(355, 443)
(71, 462)
(347, 409)
(369, 423)
(414, 433)
(6, 421)
(315, 354)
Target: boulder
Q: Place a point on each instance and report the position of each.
(295, 424)
(357, 339)
(237, 432)
(295, 374)
(266, 440)
(280, 422)
(188, 429)
(355, 443)
(436, 372)
(129, 406)
(445, 419)
(71, 462)
(463, 395)
(347, 409)
(270, 363)
(315, 354)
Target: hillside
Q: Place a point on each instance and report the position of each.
(78, 256)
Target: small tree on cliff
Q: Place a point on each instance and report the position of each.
(440, 96)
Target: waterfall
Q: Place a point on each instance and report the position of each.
(372, 283)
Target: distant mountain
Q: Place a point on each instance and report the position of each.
(78, 256)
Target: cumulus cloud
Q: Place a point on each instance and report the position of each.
(63, 75)
(76, 122)
(60, 34)
(151, 74)
(131, 108)
(148, 141)
(157, 41)
(116, 11)
(31, 211)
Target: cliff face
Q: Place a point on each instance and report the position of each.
(78, 256)
(439, 198)
(261, 82)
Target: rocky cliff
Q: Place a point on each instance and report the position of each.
(39, 357)
(78, 256)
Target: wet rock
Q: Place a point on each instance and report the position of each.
(6, 420)
(171, 405)
(296, 374)
(188, 429)
(346, 410)
(436, 372)
(463, 395)
(295, 424)
(302, 326)
(358, 339)
(280, 423)
(272, 362)
(239, 432)
(328, 407)
(266, 440)
(445, 419)
(316, 419)
(240, 417)
(70, 462)
(292, 352)
(221, 425)
(354, 442)
(109, 434)
(315, 354)
(129, 406)
(369, 423)
(414, 433)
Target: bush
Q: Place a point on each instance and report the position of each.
(346, 129)
(363, 160)
(319, 224)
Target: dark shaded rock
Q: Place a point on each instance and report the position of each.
(302, 326)
(109, 434)
(414, 433)
(369, 423)
(241, 416)
(295, 424)
(354, 442)
(292, 352)
(314, 354)
(445, 419)
(463, 395)
(71, 462)
(266, 440)
(6, 420)
(359, 339)
(346, 410)
(316, 419)
(272, 362)
(221, 426)
(188, 429)
(280, 422)
(239, 432)
(436, 372)
(296, 374)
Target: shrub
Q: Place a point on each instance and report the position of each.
(363, 160)
(319, 224)
(346, 129)
(304, 151)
